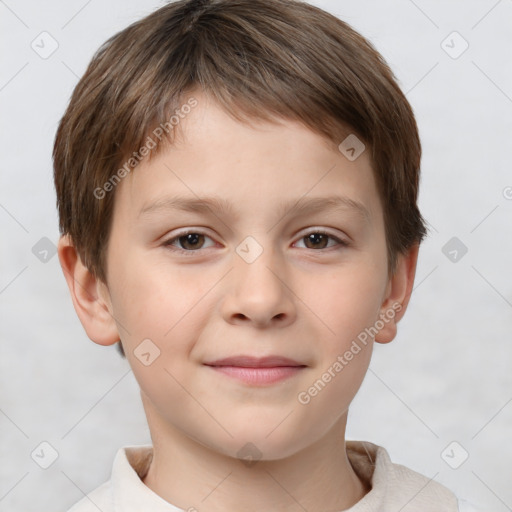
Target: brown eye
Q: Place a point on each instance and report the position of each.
(320, 240)
(191, 241)
(316, 241)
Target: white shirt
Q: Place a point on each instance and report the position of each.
(393, 486)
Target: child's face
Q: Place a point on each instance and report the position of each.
(302, 298)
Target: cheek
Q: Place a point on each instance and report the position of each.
(349, 301)
(350, 305)
(345, 350)
(155, 304)
(153, 300)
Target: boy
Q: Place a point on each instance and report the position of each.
(237, 184)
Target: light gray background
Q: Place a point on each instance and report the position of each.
(447, 375)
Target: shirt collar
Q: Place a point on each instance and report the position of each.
(131, 464)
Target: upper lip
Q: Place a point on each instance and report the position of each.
(255, 362)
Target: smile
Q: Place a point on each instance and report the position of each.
(257, 371)
(259, 376)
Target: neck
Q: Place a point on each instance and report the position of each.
(190, 475)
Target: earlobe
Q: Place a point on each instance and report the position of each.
(398, 293)
(89, 295)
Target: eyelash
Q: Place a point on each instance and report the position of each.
(168, 243)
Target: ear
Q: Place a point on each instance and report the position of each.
(90, 296)
(398, 293)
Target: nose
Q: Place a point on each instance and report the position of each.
(259, 293)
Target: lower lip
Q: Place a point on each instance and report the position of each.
(259, 376)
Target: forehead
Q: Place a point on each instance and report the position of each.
(246, 168)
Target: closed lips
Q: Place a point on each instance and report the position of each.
(254, 362)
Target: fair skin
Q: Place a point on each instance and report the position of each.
(305, 298)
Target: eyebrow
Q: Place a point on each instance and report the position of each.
(222, 206)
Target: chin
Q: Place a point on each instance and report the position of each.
(262, 442)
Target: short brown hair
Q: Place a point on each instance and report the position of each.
(259, 59)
